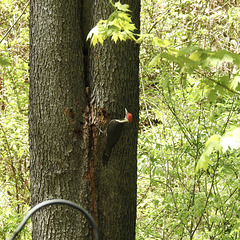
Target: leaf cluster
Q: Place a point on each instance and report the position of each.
(118, 26)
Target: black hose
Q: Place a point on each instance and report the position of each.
(57, 201)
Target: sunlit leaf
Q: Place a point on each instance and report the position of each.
(154, 61)
(203, 162)
(122, 7)
(235, 82)
(231, 140)
(118, 26)
(115, 37)
(187, 50)
(222, 56)
(124, 16)
(196, 56)
(212, 144)
(161, 42)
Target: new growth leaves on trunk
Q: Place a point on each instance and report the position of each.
(118, 26)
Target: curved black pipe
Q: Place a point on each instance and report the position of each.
(57, 201)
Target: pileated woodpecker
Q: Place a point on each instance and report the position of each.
(113, 133)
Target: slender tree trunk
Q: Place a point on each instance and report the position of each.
(74, 91)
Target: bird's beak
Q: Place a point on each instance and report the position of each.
(126, 115)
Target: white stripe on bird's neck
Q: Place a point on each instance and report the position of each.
(125, 120)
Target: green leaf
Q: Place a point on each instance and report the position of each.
(212, 95)
(220, 89)
(154, 61)
(224, 80)
(124, 16)
(93, 35)
(122, 7)
(196, 56)
(235, 82)
(188, 50)
(231, 139)
(169, 57)
(118, 26)
(222, 56)
(116, 36)
(161, 42)
(212, 144)
(203, 162)
(4, 61)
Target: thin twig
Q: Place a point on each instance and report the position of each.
(148, 115)
(229, 115)
(218, 83)
(208, 196)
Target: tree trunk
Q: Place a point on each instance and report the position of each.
(74, 91)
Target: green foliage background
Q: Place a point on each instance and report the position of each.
(14, 82)
(190, 92)
(189, 137)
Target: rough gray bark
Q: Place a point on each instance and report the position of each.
(56, 117)
(74, 91)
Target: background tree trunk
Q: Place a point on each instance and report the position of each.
(74, 91)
